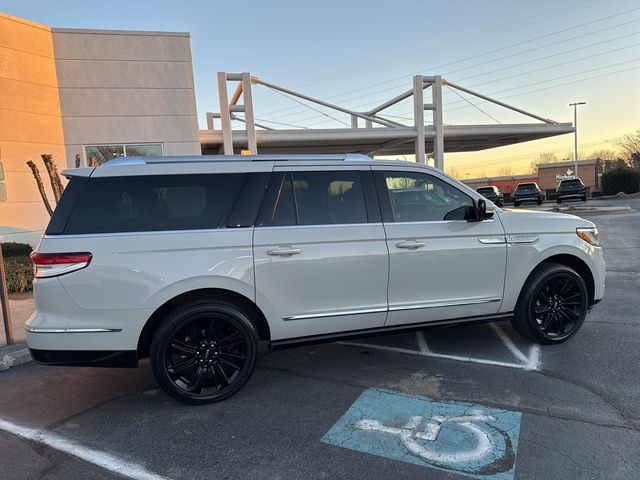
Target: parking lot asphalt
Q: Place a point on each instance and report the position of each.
(575, 408)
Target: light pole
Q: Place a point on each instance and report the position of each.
(575, 138)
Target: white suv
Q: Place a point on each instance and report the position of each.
(194, 261)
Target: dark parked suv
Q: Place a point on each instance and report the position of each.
(492, 193)
(527, 192)
(571, 188)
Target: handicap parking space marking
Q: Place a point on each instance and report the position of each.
(530, 360)
(460, 437)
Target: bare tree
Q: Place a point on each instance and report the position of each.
(505, 171)
(54, 178)
(546, 157)
(604, 154)
(630, 144)
(453, 172)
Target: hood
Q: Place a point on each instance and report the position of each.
(534, 221)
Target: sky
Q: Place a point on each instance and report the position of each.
(538, 56)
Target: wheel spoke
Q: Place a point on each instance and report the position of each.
(540, 309)
(545, 297)
(236, 356)
(567, 322)
(573, 297)
(178, 369)
(566, 287)
(232, 339)
(546, 321)
(573, 315)
(194, 333)
(229, 363)
(221, 378)
(214, 329)
(178, 347)
(195, 385)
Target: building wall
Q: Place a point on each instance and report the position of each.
(548, 173)
(119, 87)
(30, 123)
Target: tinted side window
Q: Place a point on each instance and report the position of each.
(154, 203)
(66, 205)
(417, 197)
(324, 198)
(315, 198)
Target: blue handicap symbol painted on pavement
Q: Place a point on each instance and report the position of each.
(466, 438)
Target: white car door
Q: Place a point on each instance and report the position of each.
(321, 260)
(441, 266)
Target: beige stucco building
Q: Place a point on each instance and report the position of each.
(92, 93)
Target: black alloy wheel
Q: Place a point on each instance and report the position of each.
(204, 352)
(552, 306)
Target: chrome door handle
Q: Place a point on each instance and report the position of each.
(411, 244)
(284, 251)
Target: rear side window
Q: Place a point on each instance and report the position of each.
(315, 198)
(154, 203)
(65, 205)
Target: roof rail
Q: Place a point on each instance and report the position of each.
(347, 157)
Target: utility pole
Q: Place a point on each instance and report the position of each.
(4, 301)
(575, 138)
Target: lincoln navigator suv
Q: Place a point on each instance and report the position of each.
(199, 262)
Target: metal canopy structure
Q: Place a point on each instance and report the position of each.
(377, 136)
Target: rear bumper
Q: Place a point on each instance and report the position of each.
(571, 195)
(86, 358)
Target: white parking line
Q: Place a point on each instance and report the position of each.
(96, 457)
(486, 361)
(531, 361)
(509, 344)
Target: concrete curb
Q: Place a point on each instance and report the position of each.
(14, 356)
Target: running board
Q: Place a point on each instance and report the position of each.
(370, 332)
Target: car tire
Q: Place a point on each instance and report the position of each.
(552, 305)
(558, 200)
(204, 351)
(516, 204)
(539, 201)
(584, 198)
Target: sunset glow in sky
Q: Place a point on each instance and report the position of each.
(539, 56)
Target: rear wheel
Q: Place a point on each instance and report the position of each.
(552, 305)
(516, 203)
(539, 201)
(584, 198)
(204, 352)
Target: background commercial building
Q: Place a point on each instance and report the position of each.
(547, 177)
(92, 93)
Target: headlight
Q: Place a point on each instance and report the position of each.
(589, 235)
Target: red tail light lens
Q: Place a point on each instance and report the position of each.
(53, 264)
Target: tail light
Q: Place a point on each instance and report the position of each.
(53, 264)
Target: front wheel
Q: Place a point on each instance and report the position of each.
(552, 305)
(204, 352)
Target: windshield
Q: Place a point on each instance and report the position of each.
(571, 183)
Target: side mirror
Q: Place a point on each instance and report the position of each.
(481, 212)
(481, 209)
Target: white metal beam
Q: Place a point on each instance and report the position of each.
(438, 142)
(225, 115)
(418, 117)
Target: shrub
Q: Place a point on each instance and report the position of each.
(19, 273)
(15, 249)
(620, 180)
